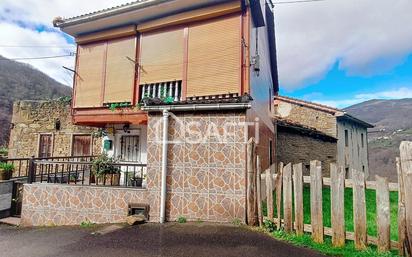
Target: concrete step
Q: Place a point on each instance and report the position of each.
(12, 221)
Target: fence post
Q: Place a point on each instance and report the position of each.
(269, 193)
(278, 185)
(250, 189)
(337, 188)
(287, 198)
(359, 209)
(259, 190)
(406, 168)
(298, 196)
(401, 209)
(383, 214)
(31, 176)
(316, 206)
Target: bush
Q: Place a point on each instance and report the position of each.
(269, 225)
(3, 151)
(86, 224)
(181, 219)
(103, 165)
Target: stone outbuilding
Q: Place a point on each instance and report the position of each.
(45, 129)
(319, 126)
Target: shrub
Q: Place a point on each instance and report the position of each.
(181, 219)
(269, 225)
(86, 224)
(103, 165)
(236, 222)
(3, 151)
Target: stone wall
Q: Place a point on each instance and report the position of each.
(59, 204)
(205, 181)
(32, 118)
(310, 117)
(295, 148)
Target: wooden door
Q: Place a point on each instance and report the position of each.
(81, 145)
(45, 146)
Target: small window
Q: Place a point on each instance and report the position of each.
(362, 140)
(346, 138)
(347, 172)
(363, 168)
(270, 152)
(45, 146)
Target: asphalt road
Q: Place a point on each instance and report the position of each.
(174, 240)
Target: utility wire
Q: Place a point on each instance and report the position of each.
(36, 46)
(37, 58)
(297, 2)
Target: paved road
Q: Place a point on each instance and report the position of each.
(174, 240)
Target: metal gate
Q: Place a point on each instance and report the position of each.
(130, 148)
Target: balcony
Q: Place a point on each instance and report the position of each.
(168, 89)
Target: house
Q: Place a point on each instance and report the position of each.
(178, 87)
(330, 135)
(44, 129)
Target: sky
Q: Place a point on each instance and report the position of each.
(334, 52)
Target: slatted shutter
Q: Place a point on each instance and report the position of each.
(214, 61)
(90, 71)
(120, 70)
(45, 146)
(162, 56)
(81, 145)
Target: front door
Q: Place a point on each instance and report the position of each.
(130, 148)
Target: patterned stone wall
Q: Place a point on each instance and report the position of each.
(320, 120)
(55, 204)
(32, 118)
(205, 181)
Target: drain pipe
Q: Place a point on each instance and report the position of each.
(164, 166)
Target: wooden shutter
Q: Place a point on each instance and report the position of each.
(81, 145)
(214, 57)
(162, 56)
(120, 70)
(45, 146)
(90, 71)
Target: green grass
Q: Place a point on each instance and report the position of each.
(349, 249)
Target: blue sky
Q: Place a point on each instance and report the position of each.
(335, 52)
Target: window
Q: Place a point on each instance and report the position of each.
(270, 152)
(362, 140)
(81, 145)
(45, 146)
(346, 138)
(363, 168)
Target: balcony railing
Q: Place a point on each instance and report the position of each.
(82, 173)
(172, 89)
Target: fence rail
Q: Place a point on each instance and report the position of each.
(288, 184)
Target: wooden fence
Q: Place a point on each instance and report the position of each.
(288, 183)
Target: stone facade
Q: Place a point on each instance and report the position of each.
(307, 116)
(205, 181)
(296, 148)
(57, 204)
(33, 118)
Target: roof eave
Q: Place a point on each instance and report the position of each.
(356, 120)
(105, 13)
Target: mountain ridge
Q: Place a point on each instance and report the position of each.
(20, 81)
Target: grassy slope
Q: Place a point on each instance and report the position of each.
(349, 249)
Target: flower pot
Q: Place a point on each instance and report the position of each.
(5, 175)
(109, 179)
(137, 182)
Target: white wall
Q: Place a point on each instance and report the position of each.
(354, 156)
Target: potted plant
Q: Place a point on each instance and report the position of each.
(6, 170)
(106, 171)
(136, 181)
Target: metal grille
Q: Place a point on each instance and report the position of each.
(130, 150)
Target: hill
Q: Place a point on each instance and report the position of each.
(393, 121)
(19, 81)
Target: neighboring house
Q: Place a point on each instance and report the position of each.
(45, 129)
(351, 133)
(297, 143)
(201, 73)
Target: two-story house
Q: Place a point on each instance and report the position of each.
(180, 86)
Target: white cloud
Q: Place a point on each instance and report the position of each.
(400, 93)
(365, 37)
(19, 23)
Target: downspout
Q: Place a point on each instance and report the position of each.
(164, 166)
